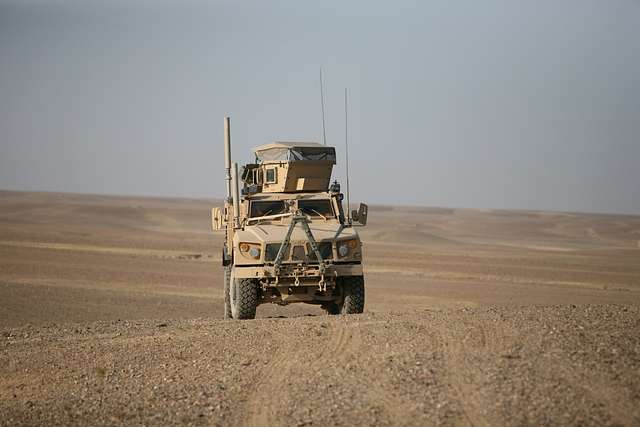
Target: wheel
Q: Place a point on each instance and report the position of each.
(244, 298)
(227, 296)
(331, 308)
(353, 295)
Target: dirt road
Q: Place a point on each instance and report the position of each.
(110, 314)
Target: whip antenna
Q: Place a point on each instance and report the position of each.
(324, 133)
(346, 149)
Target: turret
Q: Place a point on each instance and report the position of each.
(289, 167)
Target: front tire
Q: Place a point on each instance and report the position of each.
(244, 298)
(331, 308)
(227, 293)
(353, 295)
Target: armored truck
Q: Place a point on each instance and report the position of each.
(287, 236)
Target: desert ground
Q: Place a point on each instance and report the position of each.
(111, 314)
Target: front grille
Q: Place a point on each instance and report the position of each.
(325, 248)
(299, 253)
(271, 252)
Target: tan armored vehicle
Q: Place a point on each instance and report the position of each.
(287, 238)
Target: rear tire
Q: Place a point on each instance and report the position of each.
(227, 293)
(244, 298)
(353, 295)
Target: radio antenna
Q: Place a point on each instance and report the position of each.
(324, 133)
(346, 149)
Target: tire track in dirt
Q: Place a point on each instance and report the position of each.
(264, 401)
(378, 389)
(377, 393)
(458, 369)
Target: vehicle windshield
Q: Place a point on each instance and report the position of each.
(267, 207)
(321, 207)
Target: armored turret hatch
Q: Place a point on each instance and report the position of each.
(283, 167)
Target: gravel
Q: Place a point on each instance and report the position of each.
(562, 364)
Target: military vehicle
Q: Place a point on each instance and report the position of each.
(287, 238)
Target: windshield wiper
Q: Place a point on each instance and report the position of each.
(270, 217)
(263, 217)
(323, 217)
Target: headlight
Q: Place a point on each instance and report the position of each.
(254, 252)
(347, 247)
(343, 250)
(251, 250)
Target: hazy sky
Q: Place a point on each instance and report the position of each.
(488, 104)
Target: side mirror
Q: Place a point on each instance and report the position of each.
(217, 219)
(361, 214)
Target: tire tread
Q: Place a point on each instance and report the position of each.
(353, 291)
(227, 295)
(247, 298)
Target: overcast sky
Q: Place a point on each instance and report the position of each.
(486, 104)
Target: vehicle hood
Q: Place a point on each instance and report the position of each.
(275, 233)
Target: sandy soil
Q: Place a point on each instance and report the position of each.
(110, 313)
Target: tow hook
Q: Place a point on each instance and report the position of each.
(322, 284)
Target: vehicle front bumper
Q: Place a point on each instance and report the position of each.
(291, 271)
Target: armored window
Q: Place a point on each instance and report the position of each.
(313, 153)
(267, 207)
(316, 207)
(272, 251)
(259, 176)
(271, 176)
(292, 154)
